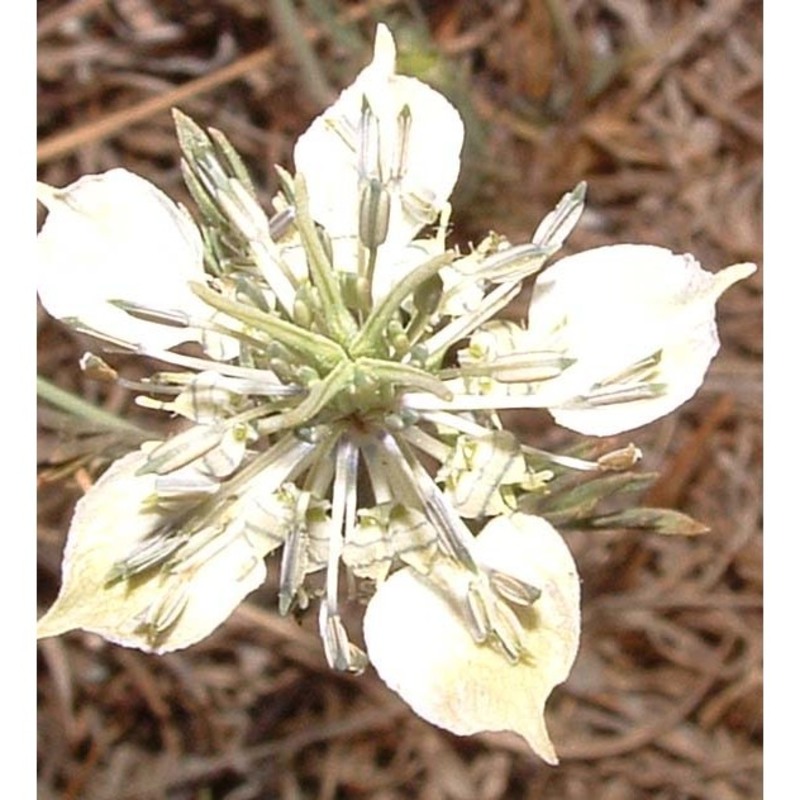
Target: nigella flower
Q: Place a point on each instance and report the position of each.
(341, 407)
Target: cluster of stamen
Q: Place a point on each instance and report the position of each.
(309, 440)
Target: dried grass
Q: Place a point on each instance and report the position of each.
(658, 106)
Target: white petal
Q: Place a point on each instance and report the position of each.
(115, 236)
(108, 524)
(327, 153)
(422, 649)
(611, 307)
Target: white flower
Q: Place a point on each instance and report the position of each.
(116, 237)
(338, 424)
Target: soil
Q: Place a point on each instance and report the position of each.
(657, 106)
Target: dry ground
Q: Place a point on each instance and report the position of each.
(658, 106)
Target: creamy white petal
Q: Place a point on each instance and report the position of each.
(614, 307)
(327, 154)
(109, 523)
(115, 236)
(422, 649)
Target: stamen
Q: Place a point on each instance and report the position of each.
(402, 144)
(339, 652)
(155, 620)
(523, 367)
(558, 224)
(373, 216)
(513, 589)
(454, 536)
(418, 205)
(278, 276)
(570, 462)
(150, 553)
(506, 627)
(343, 486)
(280, 223)
(498, 399)
(96, 368)
(477, 614)
(184, 485)
(265, 474)
(620, 460)
(385, 490)
(427, 444)
(641, 371)
(513, 263)
(622, 394)
(488, 618)
(465, 425)
(182, 449)
(456, 422)
(369, 143)
(242, 210)
(175, 319)
(253, 381)
(294, 557)
(438, 344)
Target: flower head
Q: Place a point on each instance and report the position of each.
(342, 408)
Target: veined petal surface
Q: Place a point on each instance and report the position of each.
(611, 308)
(422, 649)
(110, 521)
(418, 162)
(115, 236)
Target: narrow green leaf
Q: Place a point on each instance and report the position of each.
(666, 521)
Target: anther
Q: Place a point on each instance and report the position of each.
(373, 213)
(369, 143)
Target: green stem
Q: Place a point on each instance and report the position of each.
(79, 407)
(312, 76)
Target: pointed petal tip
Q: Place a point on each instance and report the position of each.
(50, 625)
(385, 52)
(422, 650)
(47, 195)
(725, 278)
(543, 749)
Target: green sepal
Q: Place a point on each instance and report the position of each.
(570, 505)
(665, 521)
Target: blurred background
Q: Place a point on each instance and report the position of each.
(657, 105)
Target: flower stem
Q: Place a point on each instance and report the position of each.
(79, 407)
